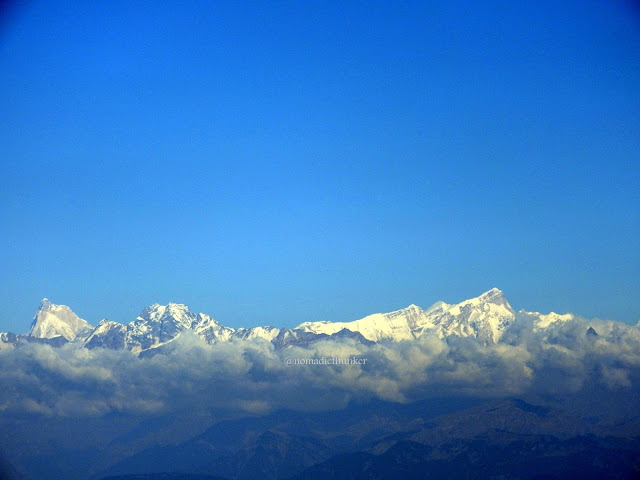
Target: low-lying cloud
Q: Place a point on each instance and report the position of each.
(253, 377)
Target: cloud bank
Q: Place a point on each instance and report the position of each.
(252, 377)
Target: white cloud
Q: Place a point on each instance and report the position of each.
(252, 377)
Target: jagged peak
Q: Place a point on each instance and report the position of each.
(491, 294)
(438, 306)
(591, 332)
(177, 308)
(494, 290)
(106, 321)
(489, 312)
(495, 296)
(169, 306)
(53, 320)
(48, 305)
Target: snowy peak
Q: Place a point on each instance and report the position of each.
(488, 318)
(211, 330)
(157, 325)
(265, 333)
(494, 296)
(176, 315)
(543, 321)
(108, 334)
(51, 321)
(176, 312)
(397, 325)
(485, 317)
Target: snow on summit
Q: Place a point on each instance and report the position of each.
(487, 318)
(51, 321)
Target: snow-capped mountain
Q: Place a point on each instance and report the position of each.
(543, 321)
(108, 334)
(488, 318)
(265, 333)
(51, 321)
(156, 326)
(485, 317)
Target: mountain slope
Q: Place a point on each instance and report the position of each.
(156, 326)
(51, 321)
(485, 317)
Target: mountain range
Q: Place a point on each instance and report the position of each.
(473, 389)
(489, 318)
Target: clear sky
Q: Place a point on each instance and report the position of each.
(279, 162)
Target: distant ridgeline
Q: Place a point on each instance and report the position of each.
(488, 318)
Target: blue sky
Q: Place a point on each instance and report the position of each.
(279, 162)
